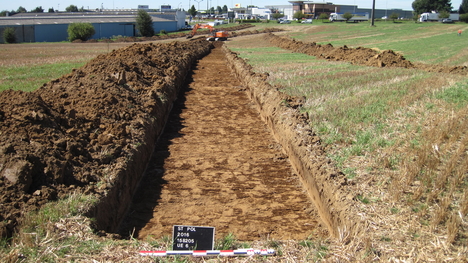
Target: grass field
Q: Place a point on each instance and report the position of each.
(398, 134)
(28, 66)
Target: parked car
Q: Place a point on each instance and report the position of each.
(447, 20)
(285, 22)
(307, 21)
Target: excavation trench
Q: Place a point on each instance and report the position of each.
(217, 164)
(234, 155)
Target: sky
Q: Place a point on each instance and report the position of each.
(199, 4)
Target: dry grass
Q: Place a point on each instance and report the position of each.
(401, 137)
(51, 53)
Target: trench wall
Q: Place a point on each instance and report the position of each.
(322, 181)
(113, 206)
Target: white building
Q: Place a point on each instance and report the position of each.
(264, 13)
(287, 10)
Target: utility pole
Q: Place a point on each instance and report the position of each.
(373, 13)
(198, 1)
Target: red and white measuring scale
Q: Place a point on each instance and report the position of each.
(237, 252)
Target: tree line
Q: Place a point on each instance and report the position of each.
(219, 10)
(423, 6)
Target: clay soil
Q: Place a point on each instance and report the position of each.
(218, 165)
(90, 131)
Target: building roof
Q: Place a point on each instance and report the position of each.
(68, 18)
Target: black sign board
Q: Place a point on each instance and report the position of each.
(193, 238)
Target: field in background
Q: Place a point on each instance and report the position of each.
(398, 134)
(416, 41)
(28, 66)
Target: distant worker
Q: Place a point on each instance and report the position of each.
(459, 32)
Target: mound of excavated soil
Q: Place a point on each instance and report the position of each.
(96, 124)
(359, 55)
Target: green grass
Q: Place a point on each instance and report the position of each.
(457, 94)
(29, 78)
(407, 37)
(349, 106)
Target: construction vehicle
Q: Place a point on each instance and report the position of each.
(215, 35)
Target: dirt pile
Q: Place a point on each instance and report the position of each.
(90, 131)
(359, 56)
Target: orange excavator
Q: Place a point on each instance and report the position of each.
(215, 35)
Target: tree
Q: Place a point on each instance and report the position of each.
(225, 9)
(347, 16)
(144, 23)
(51, 10)
(21, 10)
(444, 14)
(394, 16)
(299, 15)
(38, 10)
(9, 35)
(423, 6)
(82, 31)
(277, 15)
(324, 16)
(219, 9)
(71, 8)
(463, 7)
(192, 11)
(464, 18)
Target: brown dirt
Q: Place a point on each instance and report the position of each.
(87, 127)
(359, 55)
(217, 164)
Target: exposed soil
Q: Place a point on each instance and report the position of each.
(217, 164)
(97, 124)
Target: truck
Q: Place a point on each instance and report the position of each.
(434, 16)
(357, 17)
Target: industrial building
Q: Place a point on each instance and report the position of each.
(52, 27)
(314, 9)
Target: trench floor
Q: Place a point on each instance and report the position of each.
(218, 165)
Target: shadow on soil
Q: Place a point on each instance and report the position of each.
(149, 189)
